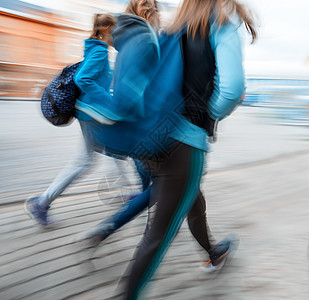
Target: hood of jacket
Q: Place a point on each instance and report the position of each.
(91, 43)
(129, 26)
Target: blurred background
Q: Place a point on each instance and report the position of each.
(39, 37)
(257, 184)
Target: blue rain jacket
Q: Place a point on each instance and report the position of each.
(148, 103)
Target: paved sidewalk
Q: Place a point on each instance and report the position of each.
(257, 187)
(33, 151)
(267, 205)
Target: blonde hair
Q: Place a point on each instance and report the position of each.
(196, 13)
(101, 22)
(146, 9)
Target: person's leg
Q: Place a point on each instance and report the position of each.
(175, 186)
(216, 252)
(37, 206)
(125, 214)
(135, 205)
(197, 222)
(143, 173)
(74, 169)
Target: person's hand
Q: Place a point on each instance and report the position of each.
(213, 132)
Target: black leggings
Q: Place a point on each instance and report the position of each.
(198, 223)
(173, 194)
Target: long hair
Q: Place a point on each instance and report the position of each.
(146, 9)
(196, 13)
(101, 22)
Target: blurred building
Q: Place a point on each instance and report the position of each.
(37, 41)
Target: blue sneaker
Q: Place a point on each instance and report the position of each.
(219, 254)
(37, 213)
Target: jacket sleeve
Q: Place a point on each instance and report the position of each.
(229, 77)
(86, 76)
(134, 76)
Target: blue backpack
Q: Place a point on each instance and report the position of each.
(59, 97)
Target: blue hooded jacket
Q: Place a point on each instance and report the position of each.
(148, 102)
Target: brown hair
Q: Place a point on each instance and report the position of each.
(101, 22)
(196, 14)
(146, 9)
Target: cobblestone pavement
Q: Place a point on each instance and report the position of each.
(257, 187)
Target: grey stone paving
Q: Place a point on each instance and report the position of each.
(257, 187)
(32, 151)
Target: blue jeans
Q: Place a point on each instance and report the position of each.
(126, 213)
(143, 173)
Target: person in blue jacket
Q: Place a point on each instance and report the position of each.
(175, 159)
(175, 84)
(94, 79)
(197, 106)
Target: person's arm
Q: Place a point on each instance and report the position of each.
(229, 77)
(86, 76)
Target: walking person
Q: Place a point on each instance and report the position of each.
(177, 172)
(197, 111)
(93, 78)
(137, 14)
(196, 92)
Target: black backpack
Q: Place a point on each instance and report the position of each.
(59, 97)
